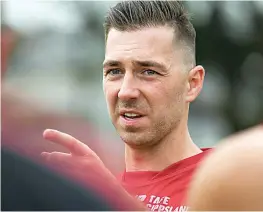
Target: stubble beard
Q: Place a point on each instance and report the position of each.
(151, 137)
(156, 133)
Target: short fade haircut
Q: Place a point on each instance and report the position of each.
(135, 15)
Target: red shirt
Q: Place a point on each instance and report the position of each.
(163, 190)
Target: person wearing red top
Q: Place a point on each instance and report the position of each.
(150, 77)
(163, 190)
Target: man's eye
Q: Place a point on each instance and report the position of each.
(149, 72)
(114, 72)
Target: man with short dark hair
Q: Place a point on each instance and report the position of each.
(150, 79)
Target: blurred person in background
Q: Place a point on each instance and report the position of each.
(230, 178)
(28, 186)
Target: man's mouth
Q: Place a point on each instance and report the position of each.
(131, 115)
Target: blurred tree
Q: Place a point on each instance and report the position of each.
(215, 44)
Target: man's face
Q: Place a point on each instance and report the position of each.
(145, 84)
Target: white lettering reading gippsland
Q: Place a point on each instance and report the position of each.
(157, 203)
(167, 208)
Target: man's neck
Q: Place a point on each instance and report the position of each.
(176, 146)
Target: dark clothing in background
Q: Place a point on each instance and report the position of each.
(28, 186)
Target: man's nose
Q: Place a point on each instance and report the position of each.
(129, 88)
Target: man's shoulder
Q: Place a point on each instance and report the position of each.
(189, 163)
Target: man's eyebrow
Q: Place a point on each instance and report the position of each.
(109, 63)
(150, 63)
(145, 63)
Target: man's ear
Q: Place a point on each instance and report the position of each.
(195, 83)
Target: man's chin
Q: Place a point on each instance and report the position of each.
(135, 140)
(131, 138)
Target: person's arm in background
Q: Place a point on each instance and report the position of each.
(231, 177)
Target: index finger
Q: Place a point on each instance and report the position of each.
(72, 144)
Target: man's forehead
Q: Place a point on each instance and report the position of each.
(142, 44)
(153, 36)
